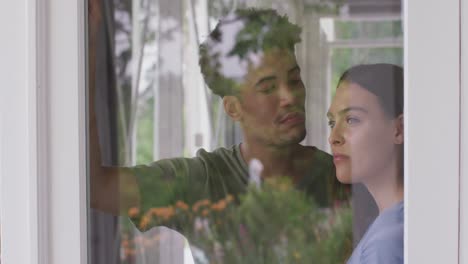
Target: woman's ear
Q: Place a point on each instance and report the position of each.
(399, 130)
(232, 107)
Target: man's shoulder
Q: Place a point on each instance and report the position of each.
(322, 155)
(228, 158)
(220, 160)
(316, 155)
(200, 157)
(218, 152)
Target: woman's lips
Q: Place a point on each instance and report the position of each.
(337, 158)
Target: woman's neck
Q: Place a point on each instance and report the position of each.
(386, 185)
(387, 189)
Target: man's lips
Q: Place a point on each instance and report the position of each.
(292, 118)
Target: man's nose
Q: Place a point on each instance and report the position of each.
(287, 95)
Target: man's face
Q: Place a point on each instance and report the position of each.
(272, 100)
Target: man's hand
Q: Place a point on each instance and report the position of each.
(112, 189)
(94, 16)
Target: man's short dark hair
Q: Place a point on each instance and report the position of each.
(255, 30)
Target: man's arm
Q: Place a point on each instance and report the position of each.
(112, 189)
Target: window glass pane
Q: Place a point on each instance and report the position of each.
(359, 29)
(226, 132)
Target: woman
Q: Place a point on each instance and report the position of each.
(366, 121)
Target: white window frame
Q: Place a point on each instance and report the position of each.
(432, 131)
(43, 161)
(464, 138)
(43, 196)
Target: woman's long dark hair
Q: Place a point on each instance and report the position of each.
(383, 80)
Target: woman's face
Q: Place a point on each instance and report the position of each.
(363, 139)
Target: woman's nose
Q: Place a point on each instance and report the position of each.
(336, 137)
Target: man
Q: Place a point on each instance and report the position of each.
(249, 61)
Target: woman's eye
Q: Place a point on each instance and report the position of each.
(352, 120)
(331, 124)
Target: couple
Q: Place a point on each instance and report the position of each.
(249, 60)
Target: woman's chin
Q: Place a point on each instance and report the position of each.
(343, 174)
(344, 178)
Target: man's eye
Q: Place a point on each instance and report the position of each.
(268, 89)
(296, 82)
(331, 124)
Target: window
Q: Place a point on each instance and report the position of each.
(155, 109)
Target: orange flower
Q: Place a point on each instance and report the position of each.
(182, 205)
(163, 212)
(133, 212)
(125, 243)
(156, 211)
(144, 222)
(200, 203)
(219, 206)
(205, 212)
(129, 252)
(229, 198)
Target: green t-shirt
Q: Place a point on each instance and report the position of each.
(214, 175)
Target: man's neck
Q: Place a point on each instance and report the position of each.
(276, 161)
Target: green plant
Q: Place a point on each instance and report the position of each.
(274, 223)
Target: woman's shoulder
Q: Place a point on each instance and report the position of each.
(383, 242)
(383, 247)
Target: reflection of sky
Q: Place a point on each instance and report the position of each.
(148, 63)
(150, 57)
(123, 44)
(328, 26)
(121, 39)
(170, 43)
(171, 47)
(232, 67)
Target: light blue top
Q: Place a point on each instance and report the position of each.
(383, 241)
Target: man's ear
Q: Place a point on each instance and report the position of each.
(232, 107)
(399, 130)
